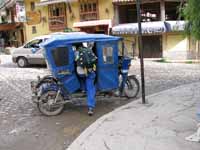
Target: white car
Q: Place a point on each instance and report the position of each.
(30, 53)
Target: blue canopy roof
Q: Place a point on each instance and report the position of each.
(77, 38)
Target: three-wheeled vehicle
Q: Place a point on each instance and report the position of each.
(51, 92)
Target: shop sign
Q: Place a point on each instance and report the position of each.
(33, 17)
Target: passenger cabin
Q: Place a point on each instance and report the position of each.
(60, 55)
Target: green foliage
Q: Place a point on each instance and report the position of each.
(189, 62)
(191, 12)
(163, 60)
(68, 30)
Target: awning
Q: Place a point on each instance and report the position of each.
(48, 2)
(173, 26)
(147, 28)
(9, 26)
(121, 1)
(134, 1)
(93, 23)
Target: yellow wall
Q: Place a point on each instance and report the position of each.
(41, 28)
(176, 42)
(176, 46)
(128, 41)
(74, 15)
(172, 43)
(103, 6)
(105, 12)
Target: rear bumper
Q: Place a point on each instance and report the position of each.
(14, 59)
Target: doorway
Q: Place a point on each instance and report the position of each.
(152, 46)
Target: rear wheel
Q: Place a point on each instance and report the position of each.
(132, 87)
(48, 106)
(22, 62)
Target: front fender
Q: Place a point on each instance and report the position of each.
(131, 76)
(46, 79)
(48, 87)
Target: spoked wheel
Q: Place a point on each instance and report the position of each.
(132, 87)
(48, 106)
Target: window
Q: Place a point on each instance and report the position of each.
(108, 55)
(32, 6)
(57, 16)
(34, 30)
(127, 13)
(171, 10)
(33, 44)
(149, 12)
(61, 56)
(45, 39)
(88, 10)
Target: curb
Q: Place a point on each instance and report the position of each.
(189, 61)
(97, 124)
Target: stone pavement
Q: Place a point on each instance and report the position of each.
(162, 124)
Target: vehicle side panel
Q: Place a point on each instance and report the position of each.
(107, 66)
(62, 66)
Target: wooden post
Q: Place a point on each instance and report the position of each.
(162, 10)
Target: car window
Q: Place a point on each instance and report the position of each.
(45, 39)
(33, 44)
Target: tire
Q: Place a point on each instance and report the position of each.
(22, 62)
(132, 87)
(48, 110)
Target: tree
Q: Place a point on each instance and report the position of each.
(191, 13)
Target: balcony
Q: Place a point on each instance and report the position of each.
(88, 16)
(57, 23)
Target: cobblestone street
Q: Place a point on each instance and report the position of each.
(162, 76)
(23, 127)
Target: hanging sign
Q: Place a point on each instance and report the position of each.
(20, 12)
(33, 17)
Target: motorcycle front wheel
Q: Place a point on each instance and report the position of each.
(132, 87)
(48, 106)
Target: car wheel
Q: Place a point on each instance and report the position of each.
(22, 62)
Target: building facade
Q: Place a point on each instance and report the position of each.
(45, 16)
(12, 18)
(162, 28)
(161, 25)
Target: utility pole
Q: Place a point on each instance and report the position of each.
(141, 50)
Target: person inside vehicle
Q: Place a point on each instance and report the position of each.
(86, 67)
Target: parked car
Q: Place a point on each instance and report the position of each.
(32, 52)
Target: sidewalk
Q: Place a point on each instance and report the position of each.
(162, 124)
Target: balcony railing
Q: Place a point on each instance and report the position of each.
(57, 23)
(87, 16)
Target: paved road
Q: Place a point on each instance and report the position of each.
(162, 76)
(23, 127)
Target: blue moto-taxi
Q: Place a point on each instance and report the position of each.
(63, 85)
